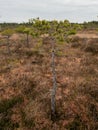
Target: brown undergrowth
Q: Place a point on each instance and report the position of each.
(26, 83)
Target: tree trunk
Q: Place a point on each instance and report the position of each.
(8, 47)
(27, 42)
(53, 93)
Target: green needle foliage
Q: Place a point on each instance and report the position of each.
(7, 32)
(20, 29)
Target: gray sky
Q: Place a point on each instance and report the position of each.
(73, 10)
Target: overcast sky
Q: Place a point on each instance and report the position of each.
(73, 10)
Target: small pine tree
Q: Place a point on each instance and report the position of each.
(7, 33)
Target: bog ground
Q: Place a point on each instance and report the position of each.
(26, 83)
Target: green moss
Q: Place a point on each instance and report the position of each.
(29, 123)
(59, 53)
(60, 42)
(29, 53)
(12, 61)
(5, 105)
(77, 124)
(5, 111)
(7, 124)
(38, 45)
